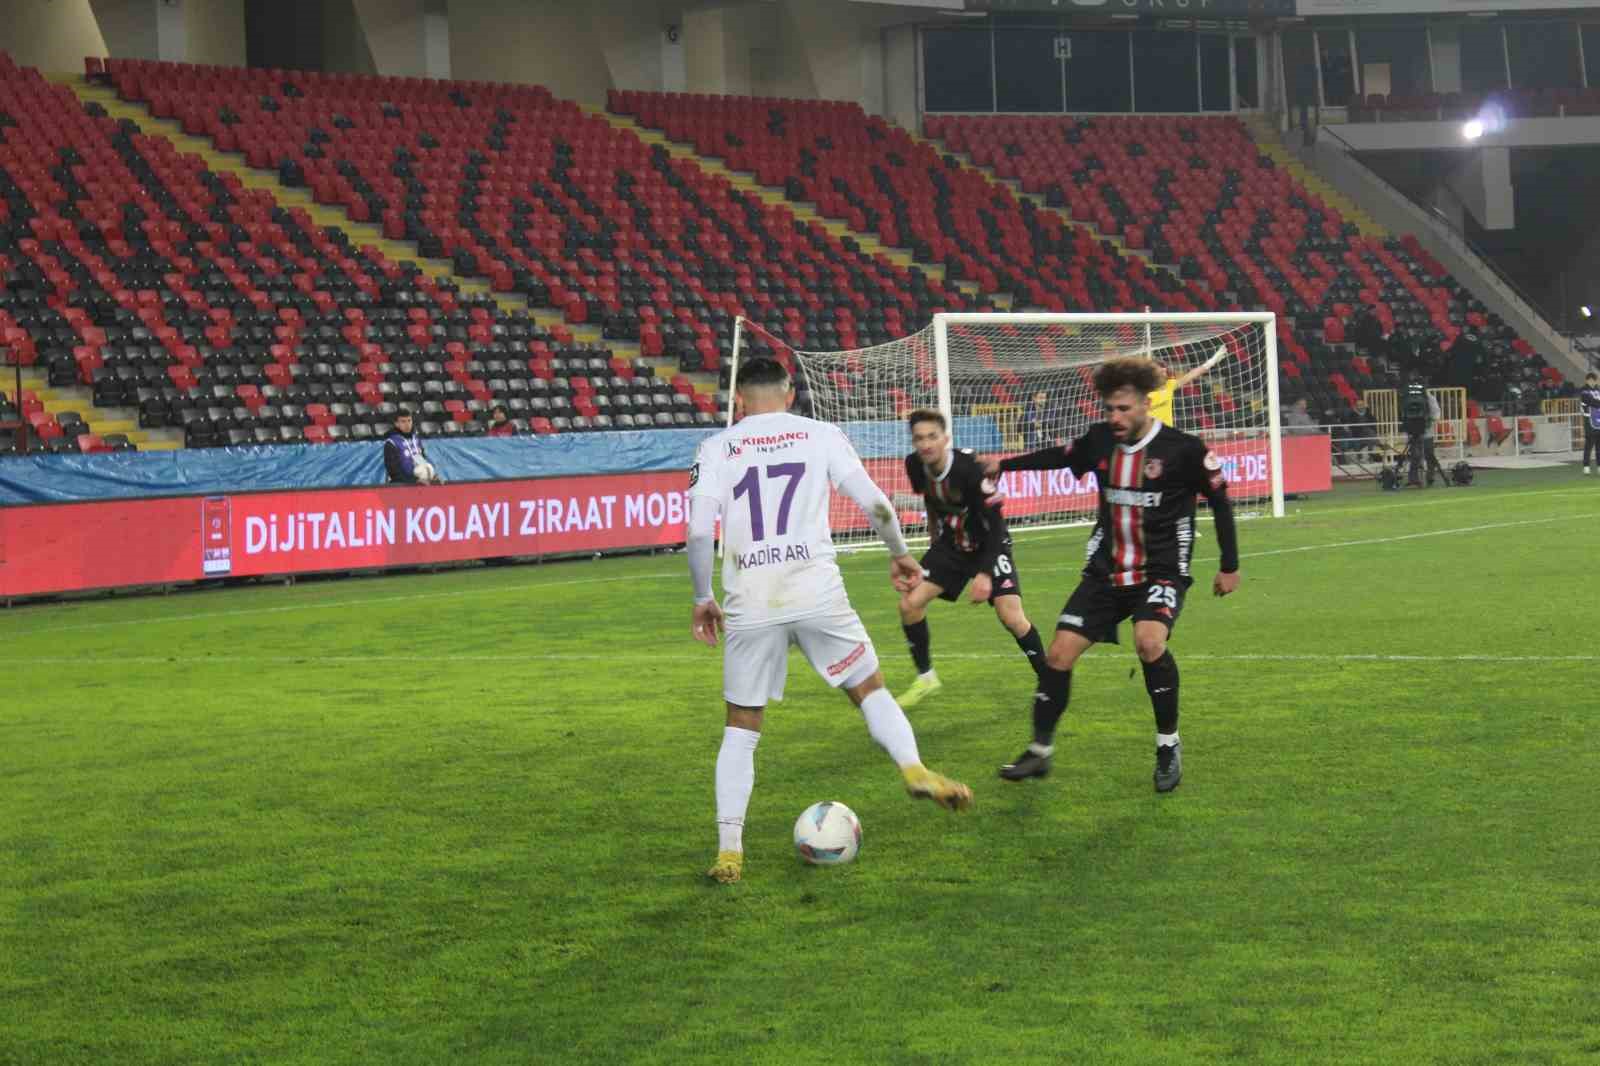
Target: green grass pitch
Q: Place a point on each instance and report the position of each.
(464, 817)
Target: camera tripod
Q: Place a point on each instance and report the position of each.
(1417, 454)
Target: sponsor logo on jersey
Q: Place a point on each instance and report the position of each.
(1153, 468)
(848, 661)
(1129, 498)
(735, 448)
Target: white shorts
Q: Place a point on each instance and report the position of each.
(755, 662)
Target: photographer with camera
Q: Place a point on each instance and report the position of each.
(1419, 417)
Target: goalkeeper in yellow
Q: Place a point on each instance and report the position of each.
(1161, 398)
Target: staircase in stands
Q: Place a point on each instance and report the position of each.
(1015, 188)
(1264, 131)
(807, 212)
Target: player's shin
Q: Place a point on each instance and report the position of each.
(1033, 647)
(1049, 704)
(736, 778)
(917, 641)
(1161, 681)
(888, 725)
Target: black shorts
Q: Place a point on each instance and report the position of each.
(1096, 606)
(951, 570)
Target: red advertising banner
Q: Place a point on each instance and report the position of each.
(107, 544)
(50, 548)
(1307, 467)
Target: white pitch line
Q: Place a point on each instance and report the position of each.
(519, 588)
(559, 657)
(1376, 540)
(1420, 536)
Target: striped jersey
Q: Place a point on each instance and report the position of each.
(1145, 527)
(963, 506)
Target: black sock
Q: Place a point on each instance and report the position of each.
(1161, 681)
(1050, 702)
(917, 638)
(1033, 647)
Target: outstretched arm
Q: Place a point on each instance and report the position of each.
(1080, 456)
(904, 573)
(860, 487)
(1198, 372)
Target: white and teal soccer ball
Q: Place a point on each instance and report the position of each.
(827, 834)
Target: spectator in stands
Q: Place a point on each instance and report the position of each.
(500, 423)
(1359, 436)
(1298, 419)
(403, 457)
(1038, 422)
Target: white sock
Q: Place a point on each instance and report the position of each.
(736, 777)
(1166, 740)
(888, 725)
(1044, 751)
(931, 676)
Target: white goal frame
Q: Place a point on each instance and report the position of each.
(943, 321)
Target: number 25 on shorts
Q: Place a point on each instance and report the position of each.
(1163, 596)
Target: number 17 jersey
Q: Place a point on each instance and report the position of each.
(771, 477)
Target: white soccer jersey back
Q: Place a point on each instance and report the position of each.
(771, 475)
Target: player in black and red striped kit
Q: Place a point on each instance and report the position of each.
(969, 543)
(1149, 475)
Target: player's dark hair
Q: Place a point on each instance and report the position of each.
(762, 371)
(1128, 371)
(923, 414)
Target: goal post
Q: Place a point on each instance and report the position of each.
(1012, 382)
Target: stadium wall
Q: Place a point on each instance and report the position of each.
(543, 42)
(396, 33)
(53, 35)
(131, 30)
(808, 49)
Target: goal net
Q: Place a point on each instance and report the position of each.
(1010, 383)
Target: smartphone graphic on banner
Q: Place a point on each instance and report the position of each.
(216, 536)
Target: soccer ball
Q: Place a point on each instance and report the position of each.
(827, 834)
(425, 472)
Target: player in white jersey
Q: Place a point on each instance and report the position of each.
(769, 478)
